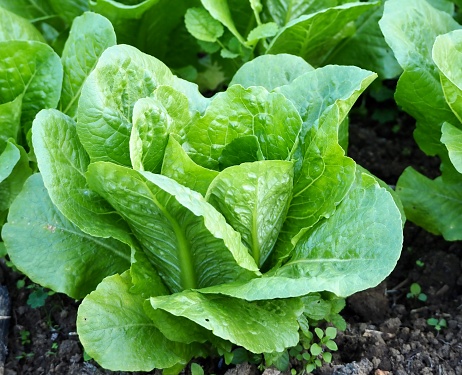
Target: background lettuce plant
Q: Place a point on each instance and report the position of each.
(189, 225)
(426, 42)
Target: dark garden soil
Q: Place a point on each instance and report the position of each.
(387, 332)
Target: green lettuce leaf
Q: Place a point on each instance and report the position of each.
(202, 25)
(90, 35)
(14, 27)
(435, 205)
(186, 239)
(241, 112)
(179, 167)
(32, 70)
(248, 324)
(337, 254)
(410, 29)
(121, 77)
(254, 198)
(63, 163)
(34, 222)
(452, 139)
(446, 51)
(240, 150)
(315, 36)
(14, 172)
(116, 332)
(10, 121)
(271, 71)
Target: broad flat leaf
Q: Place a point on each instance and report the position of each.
(14, 171)
(247, 324)
(435, 205)
(122, 75)
(63, 163)
(265, 30)
(354, 249)
(410, 29)
(271, 71)
(315, 36)
(367, 48)
(220, 10)
(254, 198)
(202, 25)
(14, 27)
(447, 51)
(31, 69)
(240, 150)
(179, 167)
(452, 139)
(10, 121)
(90, 35)
(117, 333)
(186, 239)
(241, 112)
(28, 9)
(52, 251)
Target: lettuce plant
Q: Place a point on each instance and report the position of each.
(426, 42)
(192, 225)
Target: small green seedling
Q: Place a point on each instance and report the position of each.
(196, 369)
(437, 323)
(25, 337)
(415, 291)
(419, 263)
(24, 355)
(53, 350)
(38, 296)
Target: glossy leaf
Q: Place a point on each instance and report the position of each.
(254, 198)
(452, 139)
(10, 121)
(90, 35)
(271, 71)
(186, 239)
(116, 332)
(63, 163)
(35, 223)
(14, 27)
(202, 25)
(248, 324)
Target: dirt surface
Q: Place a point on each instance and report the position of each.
(387, 332)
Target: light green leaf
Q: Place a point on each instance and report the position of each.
(410, 29)
(271, 71)
(28, 9)
(90, 35)
(435, 205)
(33, 70)
(14, 27)
(63, 163)
(367, 48)
(219, 10)
(186, 239)
(117, 333)
(202, 25)
(247, 324)
(240, 150)
(241, 112)
(149, 136)
(153, 120)
(337, 255)
(444, 5)
(446, 51)
(266, 30)
(122, 75)
(10, 121)
(179, 167)
(315, 36)
(14, 171)
(452, 139)
(254, 198)
(43, 244)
